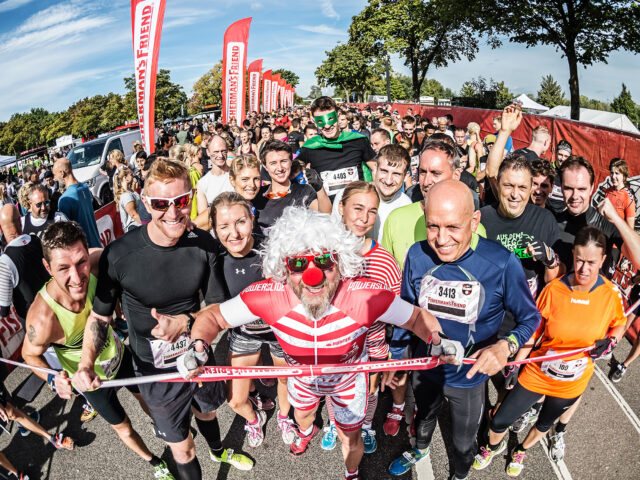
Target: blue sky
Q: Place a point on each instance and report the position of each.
(53, 53)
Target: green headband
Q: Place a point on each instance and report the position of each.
(326, 120)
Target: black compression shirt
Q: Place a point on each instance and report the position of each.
(270, 209)
(170, 279)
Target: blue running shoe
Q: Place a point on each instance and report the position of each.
(329, 437)
(369, 440)
(35, 416)
(408, 459)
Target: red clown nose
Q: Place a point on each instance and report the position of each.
(312, 276)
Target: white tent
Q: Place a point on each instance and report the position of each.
(529, 105)
(618, 121)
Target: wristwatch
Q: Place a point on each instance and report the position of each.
(190, 322)
(513, 344)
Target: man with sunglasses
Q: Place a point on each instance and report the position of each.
(39, 217)
(320, 310)
(165, 265)
(337, 156)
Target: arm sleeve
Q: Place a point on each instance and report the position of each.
(236, 312)
(398, 313)
(108, 289)
(8, 280)
(518, 300)
(65, 205)
(214, 288)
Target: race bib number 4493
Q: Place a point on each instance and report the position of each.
(451, 300)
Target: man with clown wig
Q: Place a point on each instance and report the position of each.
(320, 309)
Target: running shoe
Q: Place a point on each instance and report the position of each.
(391, 425)
(255, 435)
(261, 403)
(35, 416)
(484, 457)
(556, 445)
(88, 413)
(161, 472)
(287, 428)
(524, 420)
(22, 476)
(515, 467)
(60, 441)
(617, 373)
(238, 460)
(408, 459)
(329, 437)
(352, 476)
(301, 442)
(369, 440)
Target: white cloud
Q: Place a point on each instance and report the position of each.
(328, 10)
(322, 29)
(49, 17)
(8, 5)
(256, 5)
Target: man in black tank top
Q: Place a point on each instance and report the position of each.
(22, 273)
(40, 214)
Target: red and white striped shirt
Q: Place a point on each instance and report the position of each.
(338, 337)
(382, 267)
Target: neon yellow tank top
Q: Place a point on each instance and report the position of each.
(69, 354)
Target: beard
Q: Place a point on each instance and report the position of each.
(316, 306)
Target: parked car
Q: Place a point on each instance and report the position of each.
(87, 159)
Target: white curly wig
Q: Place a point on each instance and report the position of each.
(301, 230)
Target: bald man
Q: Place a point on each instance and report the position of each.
(22, 273)
(467, 283)
(77, 201)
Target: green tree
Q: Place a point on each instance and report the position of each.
(315, 92)
(60, 125)
(169, 96)
(433, 88)
(24, 131)
(113, 113)
(291, 78)
(427, 34)
(347, 68)
(480, 92)
(623, 103)
(594, 104)
(550, 93)
(584, 31)
(207, 90)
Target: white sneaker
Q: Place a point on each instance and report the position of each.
(287, 429)
(556, 445)
(255, 435)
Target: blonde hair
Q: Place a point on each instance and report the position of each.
(246, 160)
(116, 157)
(473, 127)
(24, 193)
(165, 170)
(118, 184)
(177, 153)
(191, 151)
(357, 187)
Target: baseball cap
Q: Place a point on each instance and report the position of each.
(489, 139)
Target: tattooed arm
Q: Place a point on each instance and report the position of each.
(95, 335)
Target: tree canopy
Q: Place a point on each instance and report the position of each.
(623, 103)
(550, 93)
(207, 90)
(291, 78)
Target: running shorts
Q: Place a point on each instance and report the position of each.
(105, 400)
(170, 404)
(243, 343)
(348, 397)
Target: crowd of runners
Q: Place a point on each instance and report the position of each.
(327, 235)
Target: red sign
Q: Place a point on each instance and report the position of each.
(266, 91)
(146, 26)
(275, 88)
(255, 68)
(234, 65)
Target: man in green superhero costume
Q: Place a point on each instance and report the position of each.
(339, 157)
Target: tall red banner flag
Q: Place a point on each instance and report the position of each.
(146, 26)
(266, 91)
(255, 68)
(282, 83)
(234, 65)
(275, 88)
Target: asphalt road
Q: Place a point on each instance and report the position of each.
(603, 441)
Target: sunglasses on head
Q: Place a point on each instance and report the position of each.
(163, 204)
(299, 263)
(46, 203)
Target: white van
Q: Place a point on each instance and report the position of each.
(87, 158)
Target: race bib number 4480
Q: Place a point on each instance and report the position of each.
(451, 300)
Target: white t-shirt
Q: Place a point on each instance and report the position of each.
(213, 185)
(384, 209)
(37, 222)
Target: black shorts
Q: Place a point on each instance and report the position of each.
(170, 404)
(105, 400)
(243, 343)
(5, 396)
